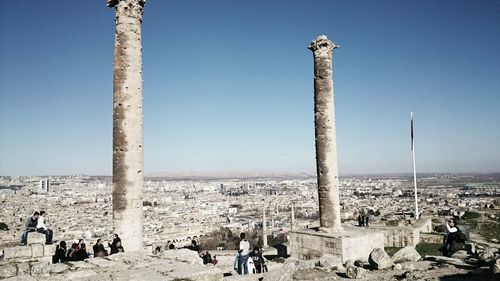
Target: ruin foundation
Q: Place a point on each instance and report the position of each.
(352, 243)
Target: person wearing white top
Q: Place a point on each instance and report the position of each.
(41, 228)
(448, 238)
(244, 252)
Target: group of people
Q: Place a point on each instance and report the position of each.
(37, 223)
(242, 260)
(78, 251)
(363, 220)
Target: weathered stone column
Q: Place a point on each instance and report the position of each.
(292, 218)
(128, 123)
(264, 227)
(326, 145)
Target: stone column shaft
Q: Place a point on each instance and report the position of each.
(326, 146)
(264, 228)
(292, 219)
(128, 123)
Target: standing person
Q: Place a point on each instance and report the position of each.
(367, 221)
(244, 252)
(360, 223)
(41, 228)
(30, 227)
(258, 260)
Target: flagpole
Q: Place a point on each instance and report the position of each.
(414, 167)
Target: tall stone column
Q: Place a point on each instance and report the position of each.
(292, 218)
(326, 144)
(264, 228)
(128, 123)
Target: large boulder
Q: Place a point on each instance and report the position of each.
(488, 254)
(461, 255)
(379, 259)
(354, 272)
(184, 255)
(329, 261)
(283, 273)
(407, 253)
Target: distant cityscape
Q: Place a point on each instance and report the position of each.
(177, 209)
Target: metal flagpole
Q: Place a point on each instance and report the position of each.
(417, 216)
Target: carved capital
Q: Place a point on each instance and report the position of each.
(129, 8)
(322, 46)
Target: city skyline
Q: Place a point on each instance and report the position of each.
(229, 86)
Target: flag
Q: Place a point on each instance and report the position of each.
(411, 131)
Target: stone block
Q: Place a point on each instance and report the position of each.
(7, 270)
(36, 238)
(379, 259)
(40, 268)
(407, 253)
(49, 250)
(36, 250)
(23, 268)
(17, 252)
(58, 268)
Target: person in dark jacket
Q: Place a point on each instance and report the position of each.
(30, 227)
(81, 254)
(113, 245)
(71, 252)
(258, 260)
(60, 255)
(95, 248)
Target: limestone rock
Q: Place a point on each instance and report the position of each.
(36, 238)
(21, 278)
(36, 250)
(409, 267)
(407, 253)
(23, 268)
(49, 250)
(355, 272)
(379, 259)
(283, 273)
(350, 263)
(330, 261)
(40, 268)
(80, 265)
(58, 268)
(184, 255)
(459, 255)
(86, 274)
(101, 262)
(495, 268)
(7, 270)
(488, 254)
(303, 264)
(397, 267)
(17, 252)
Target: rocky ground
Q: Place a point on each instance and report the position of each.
(404, 265)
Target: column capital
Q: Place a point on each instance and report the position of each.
(129, 8)
(322, 46)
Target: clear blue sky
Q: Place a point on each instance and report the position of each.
(228, 85)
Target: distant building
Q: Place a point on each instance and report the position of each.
(44, 185)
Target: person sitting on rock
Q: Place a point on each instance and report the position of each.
(71, 252)
(119, 247)
(30, 227)
(454, 240)
(194, 246)
(41, 228)
(102, 251)
(113, 248)
(60, 255)
(81, 254)
(214, 260)
(207, 258)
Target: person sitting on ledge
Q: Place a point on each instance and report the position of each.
(112, 245)
(41, 228)
(30, 227)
